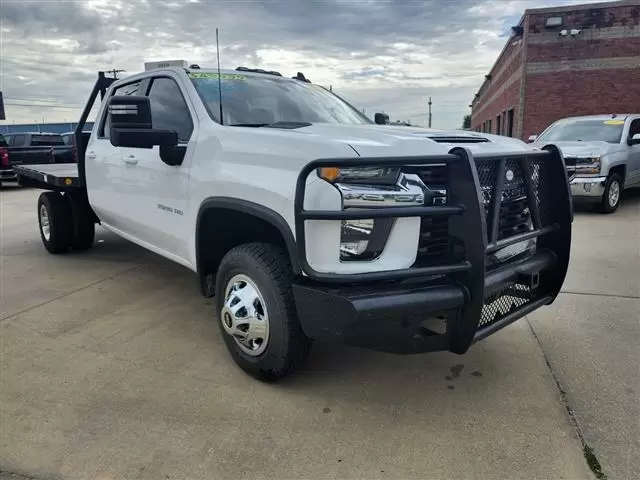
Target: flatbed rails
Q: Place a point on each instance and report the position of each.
(62, 176)
(67, 177)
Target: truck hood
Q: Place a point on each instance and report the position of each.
(587, 149)
(385, 140)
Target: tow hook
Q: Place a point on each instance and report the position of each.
(530, 279)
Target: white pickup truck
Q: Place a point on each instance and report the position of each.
(306, 220)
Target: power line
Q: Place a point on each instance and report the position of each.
(41, 106)
(22, 99)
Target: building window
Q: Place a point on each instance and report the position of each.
(499, 124)
(509, 131)
(489, 126)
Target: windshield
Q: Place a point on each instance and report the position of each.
(3, 142)
(584, 131)
(262, 100)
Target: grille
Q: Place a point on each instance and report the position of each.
(540, 189)
(514, 213)
(505, 302)
(433, 176)
(515, 217)
(434, 245)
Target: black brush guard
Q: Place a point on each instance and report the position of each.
(450, 305)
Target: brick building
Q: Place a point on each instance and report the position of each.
(561, 62)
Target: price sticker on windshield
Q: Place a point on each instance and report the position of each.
(614, 122)
(223, 76)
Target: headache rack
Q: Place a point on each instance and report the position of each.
(478, 205)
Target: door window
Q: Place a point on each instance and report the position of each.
(169, 110)
(128, 89)
(19, 140)
(634, 129)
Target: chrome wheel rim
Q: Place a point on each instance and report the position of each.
(244, 315)
(614, 193)
(45, 225)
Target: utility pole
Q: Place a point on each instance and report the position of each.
(115, 72)
(430, 112)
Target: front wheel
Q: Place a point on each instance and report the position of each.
(611, 197)
(256, 311)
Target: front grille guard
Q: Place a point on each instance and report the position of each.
(476, 230)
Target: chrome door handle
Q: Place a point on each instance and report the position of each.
(130, 160)
(90, 155)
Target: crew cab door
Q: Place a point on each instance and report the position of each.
(160, 191)
(108, 187)
(633, 166)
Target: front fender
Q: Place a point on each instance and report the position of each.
(250, 208)
(612, 160)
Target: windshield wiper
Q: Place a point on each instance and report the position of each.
(283, 124)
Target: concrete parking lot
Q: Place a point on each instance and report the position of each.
(112, 367)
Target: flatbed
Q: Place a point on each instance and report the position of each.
(62, 176)
(67, 177)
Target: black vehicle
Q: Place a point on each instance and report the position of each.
(69, 139)
(31, 148)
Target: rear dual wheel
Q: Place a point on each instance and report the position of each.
(64, 223)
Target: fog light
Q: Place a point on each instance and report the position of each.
(351, 249)
(363, 239)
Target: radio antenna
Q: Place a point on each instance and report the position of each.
(219, 78)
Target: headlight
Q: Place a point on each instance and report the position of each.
(360, 175)
(588, 165)
(364, 239)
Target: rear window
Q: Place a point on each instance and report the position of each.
(37, 140)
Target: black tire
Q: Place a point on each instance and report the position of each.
(287, 346)
(605, 204)
(56, 236)
(84, 230)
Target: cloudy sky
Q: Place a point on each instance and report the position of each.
(381, 55)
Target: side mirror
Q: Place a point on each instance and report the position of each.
(533, 138)
(130, 124)
(381, 119)
(635, 140)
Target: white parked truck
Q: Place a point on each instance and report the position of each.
(306, 220)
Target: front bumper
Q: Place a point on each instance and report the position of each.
(465, 296)
(417, 317)
(588, 187)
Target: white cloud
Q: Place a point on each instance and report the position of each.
(381, 55)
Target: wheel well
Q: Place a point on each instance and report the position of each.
(220, 229)
(620, 170)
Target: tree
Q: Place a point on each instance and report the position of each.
(466, 123)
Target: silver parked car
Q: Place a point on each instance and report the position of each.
(602, 154)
